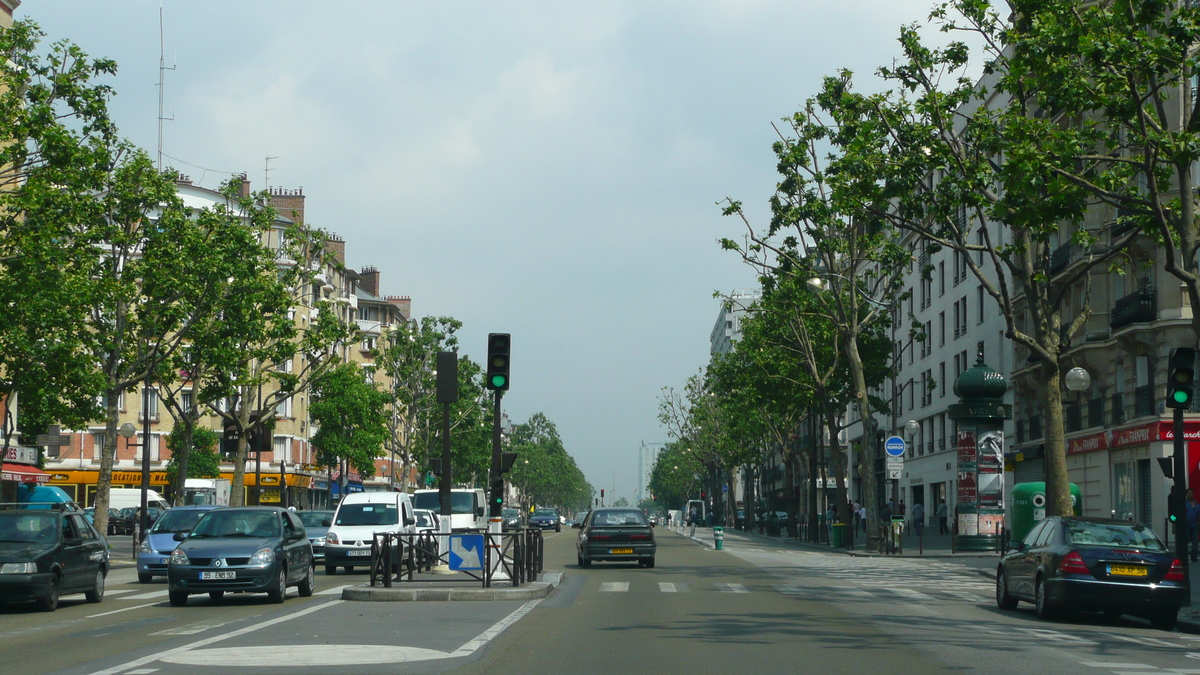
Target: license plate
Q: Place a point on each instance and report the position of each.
(1128, 570)
(363, 552)
(218, 575)
(618, 551)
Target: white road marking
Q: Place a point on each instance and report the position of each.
(1149, 641)
(118, 611)
(143, 671)
(123, 591)
(496, 629)
(193, 628)
(336, 590)
(167, 654)
(614, 587)
(731, 588)
(908, 593)
(666, 587)
(147, 596)
(1101, 664)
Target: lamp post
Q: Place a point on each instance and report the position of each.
(128, 431)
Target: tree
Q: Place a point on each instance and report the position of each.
(351, 417)
(621, 502)
(673, 479)
(544, 472)
(203, 459)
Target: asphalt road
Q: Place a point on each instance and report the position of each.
(756, 607)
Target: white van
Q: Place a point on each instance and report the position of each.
(468, 507)
(357, 519)
(121, 498)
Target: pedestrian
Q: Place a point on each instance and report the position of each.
(1193, 520)
(918, 518)
(862, 517)
(901, 511)
(856, 511)
(693, 516)
(942, 516)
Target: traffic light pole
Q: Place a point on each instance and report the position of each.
(497, 478)
(1182, 531)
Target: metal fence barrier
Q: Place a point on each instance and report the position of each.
(515, 557)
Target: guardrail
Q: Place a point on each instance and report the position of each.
(515, 557)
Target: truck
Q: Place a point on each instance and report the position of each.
(206, 492)
(468, 512)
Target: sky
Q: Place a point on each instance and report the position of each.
(546, 169)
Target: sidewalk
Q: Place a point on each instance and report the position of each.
(927, 546)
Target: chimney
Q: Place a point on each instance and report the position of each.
(183, 179)
(369, 280)
(244, 188)
(403, 303)
(337, 246)
(288, 202)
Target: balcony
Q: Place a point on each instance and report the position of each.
(1060, 258)
(1141, 306)
(1118, 408)
(1143, 401)
(367, 326)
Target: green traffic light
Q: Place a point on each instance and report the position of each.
(1181, 395)
(1174, 517)
(498, 381)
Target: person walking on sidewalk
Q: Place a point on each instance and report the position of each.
(1193, 520)
(918, 518)
(942, 516)
(693, 516)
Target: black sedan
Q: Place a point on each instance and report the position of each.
(512, 520)
(45, 553)
(1111, 566)
(245, 550)
(615, 534)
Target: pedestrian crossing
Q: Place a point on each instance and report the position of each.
(805, 589)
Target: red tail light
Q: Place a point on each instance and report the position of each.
(1176, 571)
(639, 537)
(1073, 564)
(601, 536)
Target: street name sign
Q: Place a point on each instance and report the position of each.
(894, 446)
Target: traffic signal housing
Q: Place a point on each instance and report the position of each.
(497, 496)
(1181, 374)
(497, 361)
(1175, 508)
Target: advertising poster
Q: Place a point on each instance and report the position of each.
(966, 446)
(990, 484)
(967, 494)
(968, 523)
(991, 523)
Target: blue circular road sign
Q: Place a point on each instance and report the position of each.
(894, 446)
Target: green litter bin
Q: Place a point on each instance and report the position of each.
(839, 535)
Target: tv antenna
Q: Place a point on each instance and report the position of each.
(162, 68)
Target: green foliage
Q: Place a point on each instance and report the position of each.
(351, 416)
(676, 476)
(544, 472)
(204, 461)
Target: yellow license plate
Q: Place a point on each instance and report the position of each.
(618, 551)
(1128, 570)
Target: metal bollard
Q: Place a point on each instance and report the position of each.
(719, 537)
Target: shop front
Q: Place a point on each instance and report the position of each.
(80, 484)
(19, 467)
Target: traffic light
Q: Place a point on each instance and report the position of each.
(1180, 375)
(1175, 511)
(507, 459)
(497, 497)
(497, 361)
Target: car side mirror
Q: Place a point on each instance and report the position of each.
(73, 541)
(410, 521)
(179, 536)
(478, 510)
(326, 523)
(1016, 545)
(577, 526)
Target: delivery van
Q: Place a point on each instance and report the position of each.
(468, 507)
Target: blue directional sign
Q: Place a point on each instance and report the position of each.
(894, 446)
(466, 551)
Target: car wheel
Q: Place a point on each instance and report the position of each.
(216, 596)
(96, 593)
(278, 592)
(1042, 607)
(348, 568)
(145, 578)
(177, 598)
(584, 562)
(49, 602)
(650, 563)
(1165, 620)
(1003, 599)
(330, 570)
(309, 583)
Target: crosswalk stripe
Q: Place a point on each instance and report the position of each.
(731, 588)
(336, 590)
(909, 593)
(666, 587)
(614, 587)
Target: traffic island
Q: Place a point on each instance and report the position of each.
(436, 591)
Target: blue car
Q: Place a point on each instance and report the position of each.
(546, 519)
(155, 552)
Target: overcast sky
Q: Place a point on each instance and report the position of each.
(546, 169)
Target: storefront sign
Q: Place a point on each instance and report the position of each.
(1089, 443)
(269, 497)
(21, 455)
(1134, 436)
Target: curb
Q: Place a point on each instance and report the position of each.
(1188, 624)
(534, 590)
(808, 546)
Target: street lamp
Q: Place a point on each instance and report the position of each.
(822, 284)
(1077, 379)
(912, 427)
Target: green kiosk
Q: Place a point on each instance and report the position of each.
(1029, 507)
(979, 444)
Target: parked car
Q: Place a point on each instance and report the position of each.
(512, 519)
(48, 553)
(316, 524)
(427, 521)
(1111, 566)
(154, 553)
(545, 518)
(258, 549)
(615, 534)
(126, 521)
(113, 517)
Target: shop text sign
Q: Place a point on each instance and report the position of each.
(21, 455)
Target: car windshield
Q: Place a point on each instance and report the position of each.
(460, 502)
(315, 518)
(368, 514)
(425, 519)
(28, 527)
(233, 523)
(545, 513)
(619, 519)
(510, 513)
(177, 521)
(1133, 535)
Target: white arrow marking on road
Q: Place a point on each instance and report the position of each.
(193, 628)
(614, 587)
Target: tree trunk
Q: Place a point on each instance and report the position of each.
(839, 468)
(107, 458)
(790, 499)
(869, 449)
(182, 455)
(1058, 483)
(748, 498)
(237, 489)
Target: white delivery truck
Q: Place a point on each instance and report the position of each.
(468, 507)
(206, 492)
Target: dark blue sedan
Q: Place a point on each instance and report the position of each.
(245, 550)
(546, 519)
(1092, 564)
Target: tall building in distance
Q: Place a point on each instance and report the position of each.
(646, 458)
(728, 328)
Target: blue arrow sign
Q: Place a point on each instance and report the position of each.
(894, 446)
(466, 551)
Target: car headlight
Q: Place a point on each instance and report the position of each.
(319, 541)
(18, 568)
(582, 536)
(178, 557)
(331, 538)
(144, 547)
(263, 556)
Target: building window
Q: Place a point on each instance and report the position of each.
(153, 445)
(284, 408)
(187, 400)
(979, 301)
(942, 379)
(97, 444)
(941, 278)
(283, 448)
(941, 329)
(149, 405)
